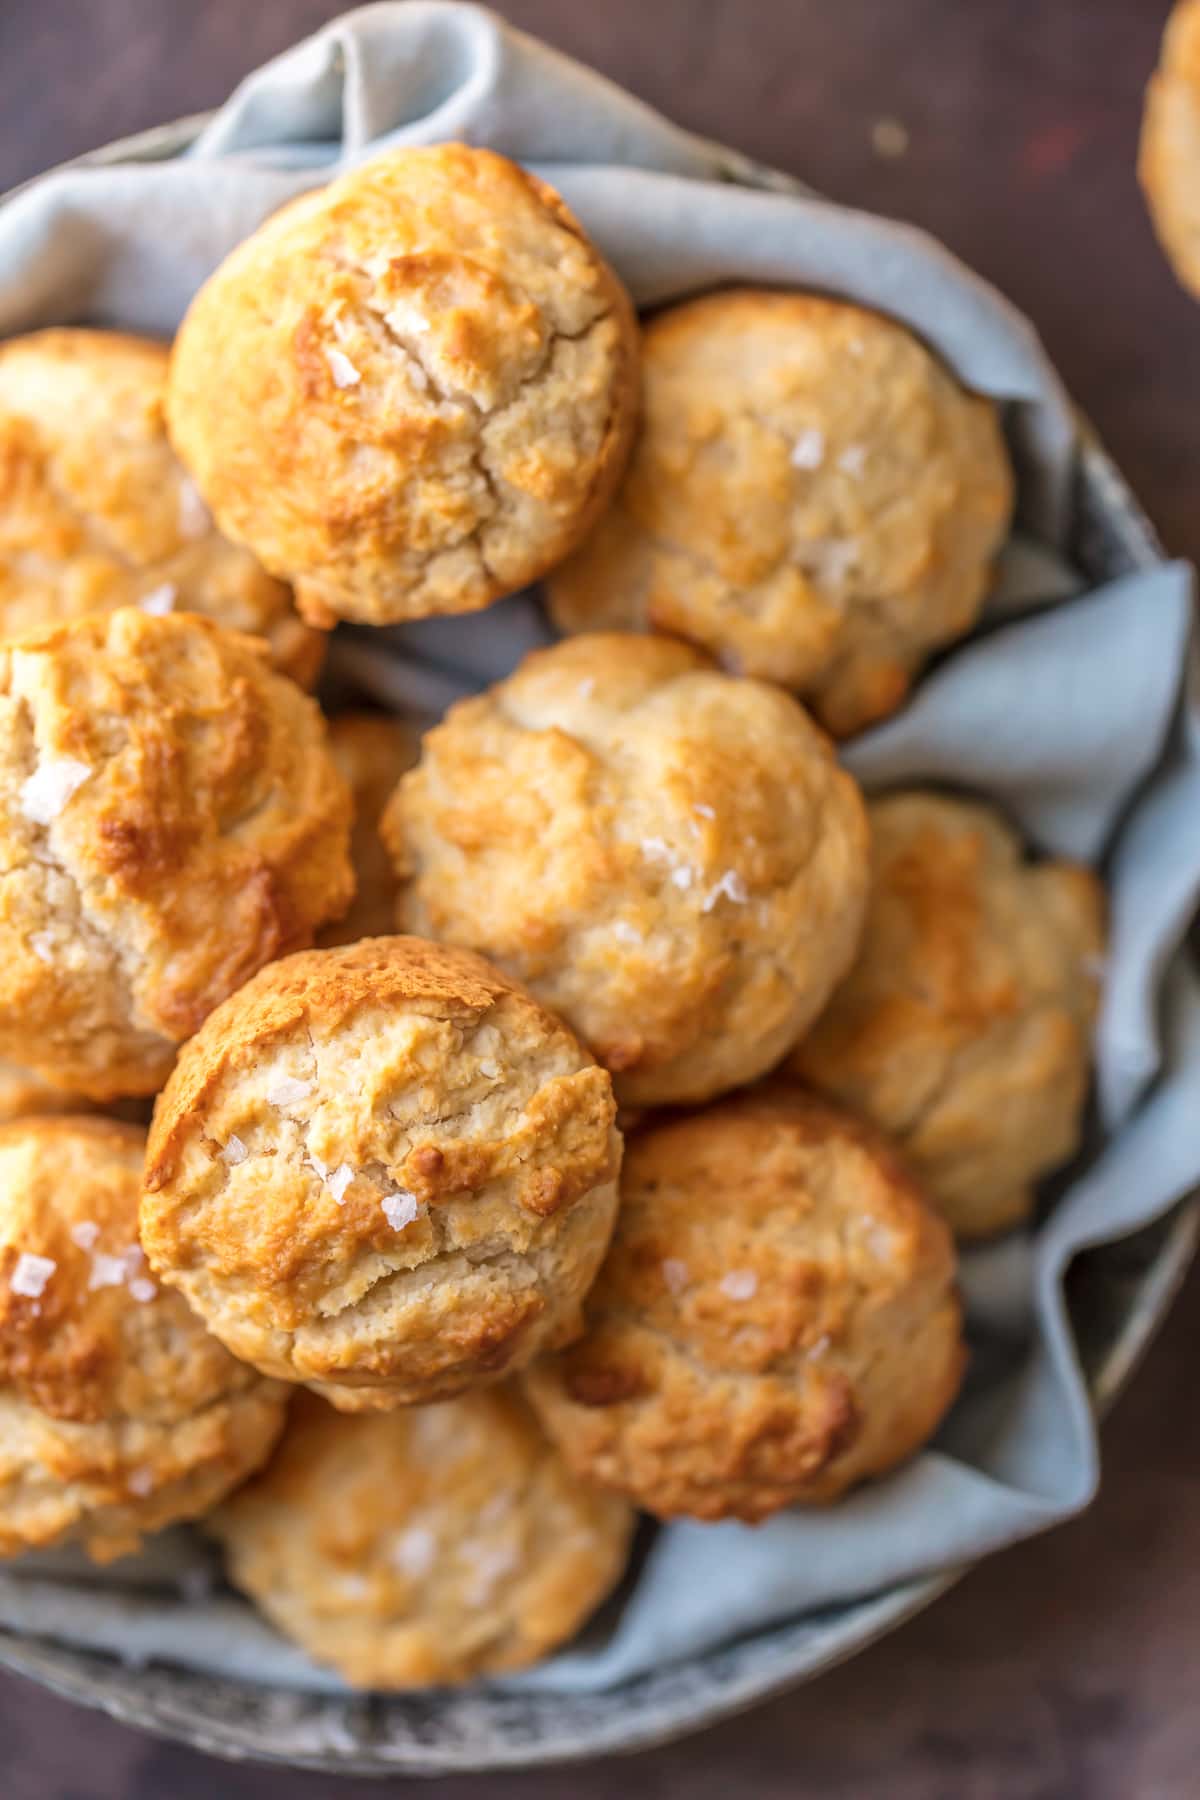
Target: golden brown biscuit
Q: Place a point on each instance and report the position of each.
(170, 819)
(668, 856)
(95, 511)
(812, 497)
(383, 1170)
(776, 1319)
(412, 391)
(425, 1547)
(118, 1412)
(964, 1028)
(1169, 159)
(372, 750)
(25, 1095)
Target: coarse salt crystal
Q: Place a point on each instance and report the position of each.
(48, 789)
(853, 459)
(140, 1482)
(739, 1284)
(656, 846)
(587, 687)
(676, 1274)
(287, 1089)
(490, 1071)
(143, 1289)
(414, 1550)
(31, 1274)
(195, 520)
(731, 885)
(344, 373)
(400, 1209)
(159, 601)
(42, 945)
(808, 452)
(339, 1181)
(706, 812)
(235, 1151)
(820, 1347)
(627, 933)
(682, 876)
(107, 1271)
(85, 1234)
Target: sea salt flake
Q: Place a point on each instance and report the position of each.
(48, 789)
(42, 945)
(490, 1071)
(107, 1271)
(339, 1181)
(400, 1209)
(488, 1563)
(818, 1349)
(31, 1274)
(656, 846)
(829, 559)
(732, 886)
(159, 601)
(344, 373)
(625, 932)
(682, 876)
(808, 452)
(853, 459)
(739, 1284)
(195, 520)
(235, 1151)
(142, 1288)
(85, 1234)
(587, 687)
(414, 1550)
(676, 1274)
(140, 1482)
(286, 1090)
(705, 812)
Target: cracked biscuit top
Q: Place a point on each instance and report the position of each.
(119, 1412)
(813, 498)
(964, 1028)
(428, 1546)
(96, 512)
(411, 391)
(669, 856)
(170, 819)
(383, 1170)
(776, 1319)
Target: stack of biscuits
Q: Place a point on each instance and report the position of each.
(566, 1113)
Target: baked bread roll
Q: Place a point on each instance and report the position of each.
(96, 512)
(372, 750)
(964, 1028)
(776, 1319)
(119, 1414)
(1169, 161)
(813, 498)
(426, 1547)
(668, 856)
(170, 819)
(412, 391)
(383, 1170)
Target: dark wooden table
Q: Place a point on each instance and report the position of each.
(1067, 1669)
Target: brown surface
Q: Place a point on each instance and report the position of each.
(1064, 1670)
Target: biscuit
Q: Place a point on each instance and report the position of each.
(372, 750)
(385, 1171)
(119, 1414)
(424, 1547)
(668, 856)
(24, 1095)
(964, 1028)
(412, 391)
(96, 512)
(170, 819)
(812, 498)
(776, 1319)
(1169, 156)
